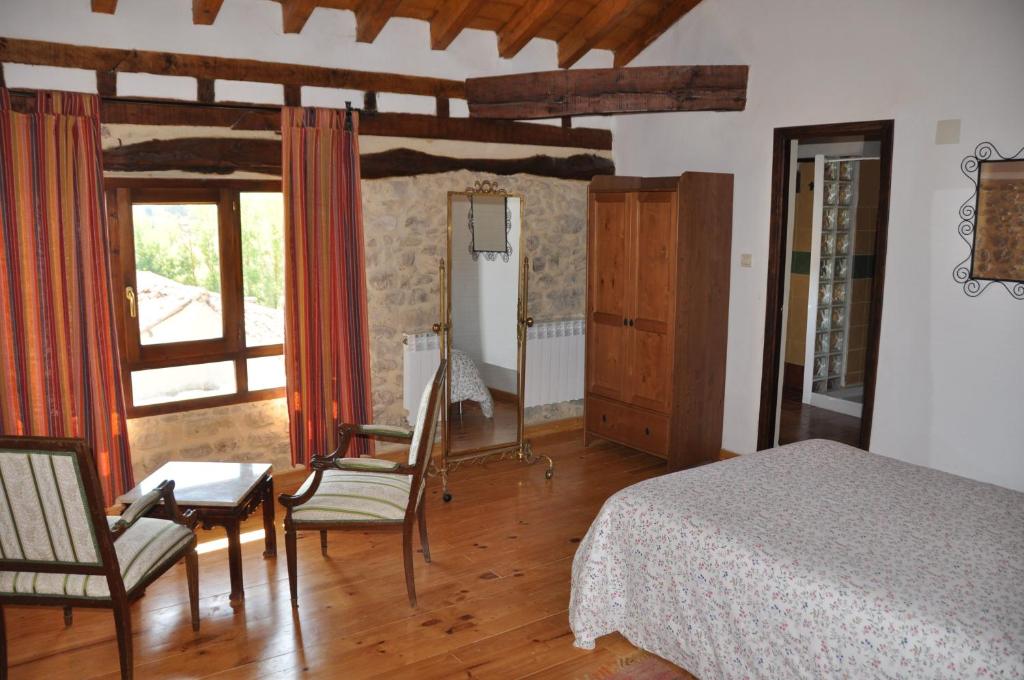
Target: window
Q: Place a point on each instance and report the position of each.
(199, 273)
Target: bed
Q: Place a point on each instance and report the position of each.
(812, 560)
(467, 383)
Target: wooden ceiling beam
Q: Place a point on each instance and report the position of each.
(294, 14)
(125, 111)
(552, 94)
(450, 19)
(204, 12)
(592, 29)
(371, 15)
(525, 24)
(104, 6)
(39, 53)
(672, 12)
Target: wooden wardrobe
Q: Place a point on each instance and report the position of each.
(657, 313)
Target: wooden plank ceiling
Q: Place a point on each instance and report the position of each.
(624, 27)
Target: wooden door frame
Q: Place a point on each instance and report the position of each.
(876, 130)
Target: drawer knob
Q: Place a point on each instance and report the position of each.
(604, 418)
(647, 431)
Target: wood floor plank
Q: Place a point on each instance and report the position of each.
(492, 604)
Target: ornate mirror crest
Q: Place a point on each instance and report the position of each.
(992, 222)
(490, 189)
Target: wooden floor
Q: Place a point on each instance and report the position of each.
(493, 604)
(800, 422)
(471, 429)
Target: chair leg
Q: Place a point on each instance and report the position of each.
(424, 543)
(290, 549)
(67, 616)
(323, 543)
(192, 573)
(123, 624)
(410, 585)
(3, 646)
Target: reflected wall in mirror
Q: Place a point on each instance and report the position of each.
(484, 352)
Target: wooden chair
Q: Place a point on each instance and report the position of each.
(58, 548)
(368, 493)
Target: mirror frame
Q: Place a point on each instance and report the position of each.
(451, 459)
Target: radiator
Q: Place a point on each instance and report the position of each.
(554, 364)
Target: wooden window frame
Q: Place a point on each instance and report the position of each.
(121, 194)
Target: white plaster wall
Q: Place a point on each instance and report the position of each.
(951, 369)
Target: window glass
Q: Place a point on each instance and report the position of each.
(262, 220)
(265, 372)
(177, 383)
(177, 272)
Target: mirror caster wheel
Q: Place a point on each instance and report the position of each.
(548, 474)
(447, 497)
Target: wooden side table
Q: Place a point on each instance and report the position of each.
(221, 494)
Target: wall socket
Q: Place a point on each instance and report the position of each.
(746, 260)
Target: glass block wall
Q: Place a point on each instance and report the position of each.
(834, 275)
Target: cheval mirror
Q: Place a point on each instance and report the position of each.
(483, 330)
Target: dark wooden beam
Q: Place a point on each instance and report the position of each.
(452, 16)
(592, 29)
(661, 22)
(525, 24)
(204, 12)
(292, 95)
(442, 107)
(41, 53)
(106, 83)
(104, 6)
(371, 15)
(370, 102)
(124, 111)
(226, 156)
(205, 91)
(294, 14)
(606, 91)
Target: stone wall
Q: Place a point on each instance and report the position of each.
(405, 221)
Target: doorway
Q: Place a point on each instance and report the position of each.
(826, 267)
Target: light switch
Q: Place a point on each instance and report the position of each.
(947, 131)
(746, 259)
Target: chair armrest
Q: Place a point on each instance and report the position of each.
(163, 492)
(366, 464)
(386, 432)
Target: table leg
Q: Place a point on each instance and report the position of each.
(235, 558)
(269, 529)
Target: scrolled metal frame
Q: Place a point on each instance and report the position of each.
(489, 187)
(963, 273)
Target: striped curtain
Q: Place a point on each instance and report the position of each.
(60, 373)
(326, 329)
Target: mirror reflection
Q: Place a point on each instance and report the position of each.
(484, 406)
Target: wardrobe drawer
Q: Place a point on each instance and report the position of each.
(628, 425)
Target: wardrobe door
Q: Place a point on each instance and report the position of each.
(607, 294)
(650, 348)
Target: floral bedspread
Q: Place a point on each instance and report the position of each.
(467, 383)
(813, 560)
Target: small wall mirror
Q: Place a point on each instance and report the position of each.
(490, 221)
(999, 231)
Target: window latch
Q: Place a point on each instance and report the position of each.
(129, 294)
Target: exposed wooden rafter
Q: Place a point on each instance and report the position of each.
(623, 26)
(236, 117)
(451, 17)
(40, 53)
(294, 14)
(104, 6)
(553, 94)
(661, 22)
(586, 34)
(371, 15)
(224, 156)
(204, 12)
(525, 24)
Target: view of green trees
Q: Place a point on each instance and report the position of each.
(180, 242)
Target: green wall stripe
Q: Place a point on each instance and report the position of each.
(801, 262)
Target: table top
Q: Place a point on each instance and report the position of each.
(219, 485)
